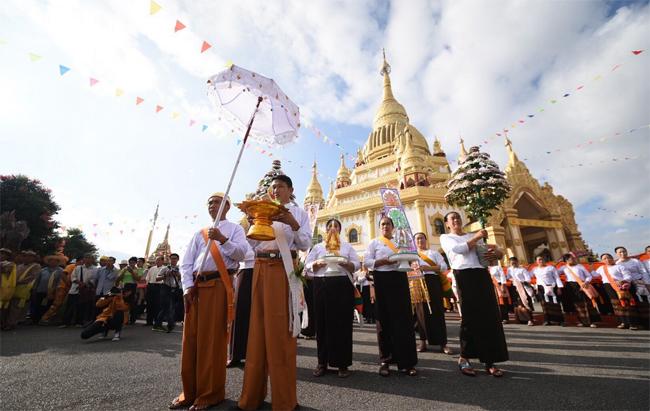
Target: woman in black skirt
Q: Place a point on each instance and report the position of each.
(481, 331)
(394, 319)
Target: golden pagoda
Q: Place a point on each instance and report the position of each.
(163, 250)
(532, 221)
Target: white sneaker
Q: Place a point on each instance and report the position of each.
(116, 337)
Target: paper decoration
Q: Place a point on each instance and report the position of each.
(34, 57)
(63, 69)
(93, 81)
(394, 209)
(154, 7)
(637, 52)
(158, 108)
(138, 100)
(118, 92)
(204, 127)
(179, 26)
(175, 115)
(192, 122)
(205, 46)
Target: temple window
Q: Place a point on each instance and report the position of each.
(353, 236)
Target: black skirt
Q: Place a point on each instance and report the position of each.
(431, 324)
(333, 305)
(239, 334)
(582, 305)
(394, 319)
(552, 311)
(481, 331)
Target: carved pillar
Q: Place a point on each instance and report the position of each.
(422, 222)
(518, 248)
(554, 244)
(370, 216)
(497, 235)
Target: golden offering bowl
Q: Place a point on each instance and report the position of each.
(262, 212)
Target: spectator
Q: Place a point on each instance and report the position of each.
(170, 290)
(111, 317)
(45, 286)
(127, 279)
(153, 290)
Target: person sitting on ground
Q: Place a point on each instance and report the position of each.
(111, 318)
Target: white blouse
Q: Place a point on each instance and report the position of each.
(377, 250)
(459, 254)
(578, 270)
(436, 257)
(617, 272)
(497, 272)
(636, 269)
(319, 251)
(519, 274)
(547, 275)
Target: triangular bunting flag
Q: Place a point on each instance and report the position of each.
(580, 87)
(154, 8)
(158, 108)
(229, 63)
(93, 81)
(63, 69)
(118, 92)
(3, 41)
(566, 95)
(138, 100)
(616, 66)
(34, 57)
(204, 128)
(179, 26)
(175, 115)
(205, 46)
(637, 52)
(192, 122)
(531, 115)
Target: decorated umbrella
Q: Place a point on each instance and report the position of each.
(256, 102)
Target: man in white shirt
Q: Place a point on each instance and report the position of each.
(208, 297)
(274, 324)
(154, 286)
(81, 294)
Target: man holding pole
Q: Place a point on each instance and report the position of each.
(271, 339)
(207, 293)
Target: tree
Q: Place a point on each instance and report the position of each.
(478, 186)
(32, 203)
(76, 244)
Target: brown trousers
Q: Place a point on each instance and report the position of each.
(271, 347)
(205, 345)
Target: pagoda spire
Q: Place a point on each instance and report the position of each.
(153, 226)
(463, 152)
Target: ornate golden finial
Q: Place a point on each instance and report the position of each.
(385, 67)
(512, 157)
(166, 240)
(437, 148)
(314, 193)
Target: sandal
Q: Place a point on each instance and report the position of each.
(199, 407)
(343, 372)
(412, 372)
(319, 371)
(494, 371)
(465, 367)
(176, 404)
(383, 370)
(447, 350)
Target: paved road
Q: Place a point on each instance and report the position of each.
(550, 368)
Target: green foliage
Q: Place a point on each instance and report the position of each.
(76, 244)
(34, 204)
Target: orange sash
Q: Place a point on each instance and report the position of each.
(586, 288)
(444, 281)
(225, 277)
(502, 293)
(623, 295)
(388, 244)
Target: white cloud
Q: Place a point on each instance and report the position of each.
(458, 67)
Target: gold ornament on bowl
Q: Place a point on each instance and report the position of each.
(262, 212)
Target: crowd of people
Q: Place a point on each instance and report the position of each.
(82, 293)
(244, 300)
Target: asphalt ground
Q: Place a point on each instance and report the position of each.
(550, 368)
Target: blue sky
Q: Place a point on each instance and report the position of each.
(460, 68)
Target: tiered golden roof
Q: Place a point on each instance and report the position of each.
(314, 190)
(343, 174)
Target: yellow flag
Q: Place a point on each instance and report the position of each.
(229, 63)
(3, 41)
(34, 57)
(119, 92)
(154, 8)
(175, 115)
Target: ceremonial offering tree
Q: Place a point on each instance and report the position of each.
(477, 186)
(265, 183)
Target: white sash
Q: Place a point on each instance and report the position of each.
(296, 292)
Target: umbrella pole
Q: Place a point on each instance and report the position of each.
(232, 177)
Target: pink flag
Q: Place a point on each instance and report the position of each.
(179, 26)
(138, 100)
(158, 108)
(93, 81)
(205, 46)
(192, 122)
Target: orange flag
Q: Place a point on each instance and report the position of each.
(179, 26)
(205, 46)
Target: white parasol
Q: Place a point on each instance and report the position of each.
(257, 103)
